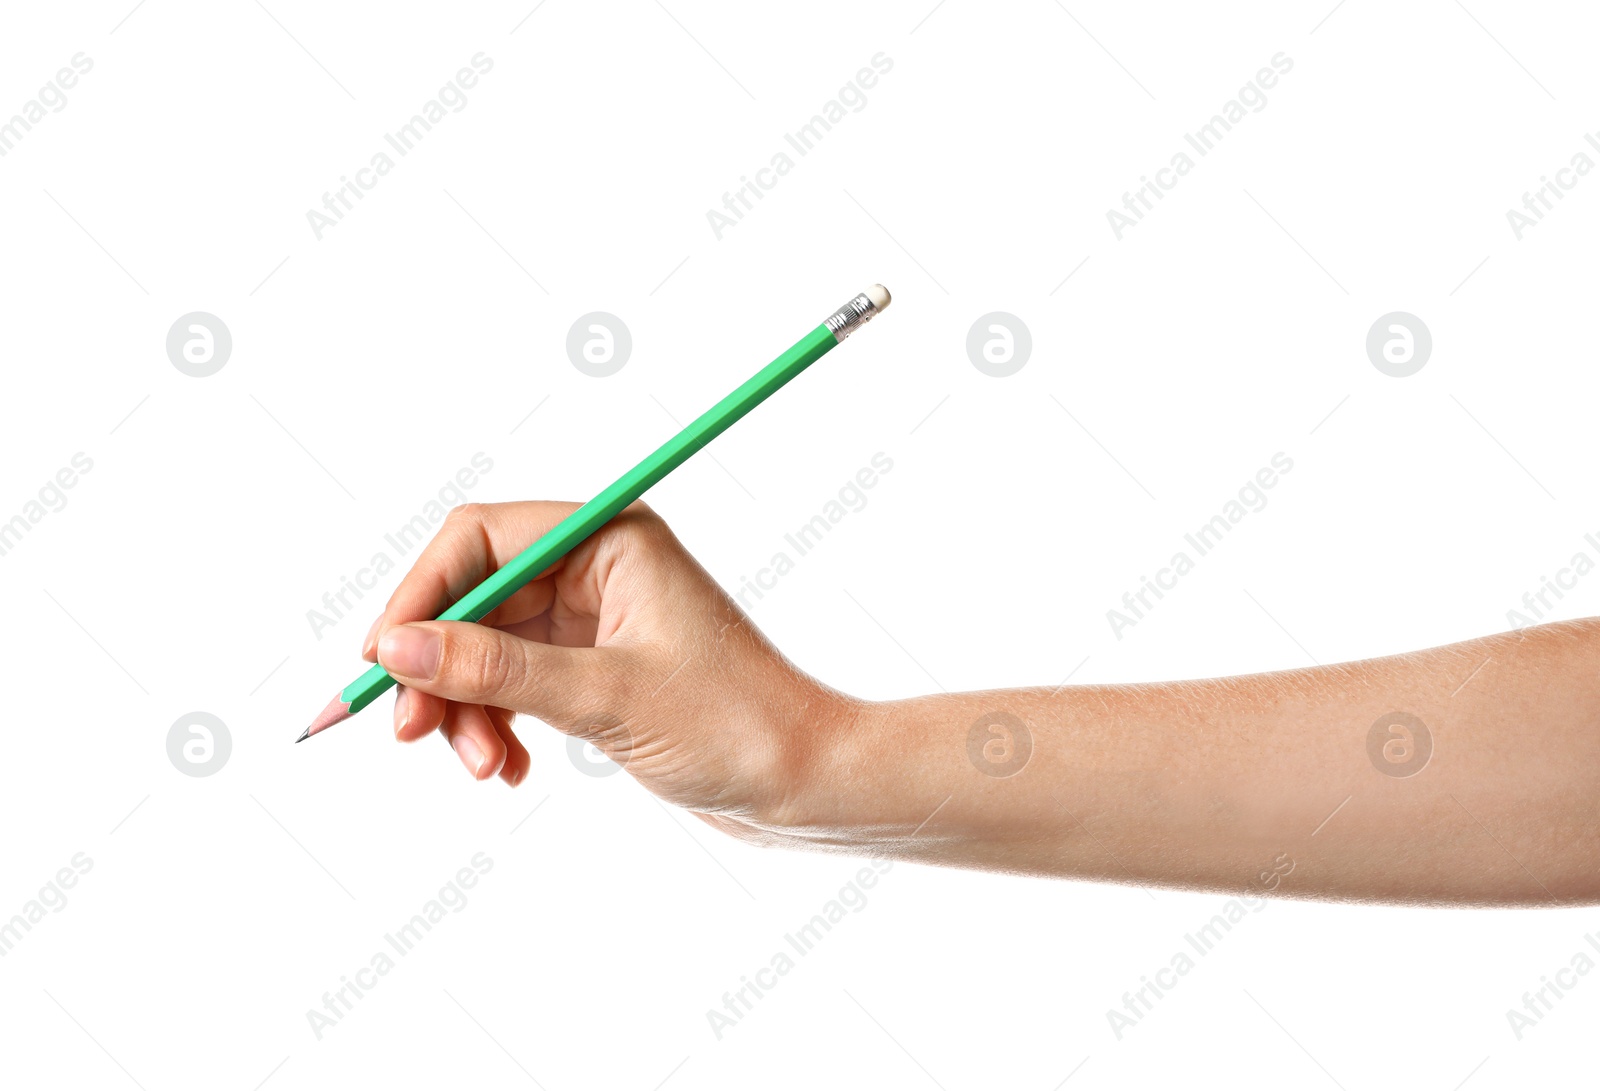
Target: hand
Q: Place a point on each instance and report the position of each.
(625, 642)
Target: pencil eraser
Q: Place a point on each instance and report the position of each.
(879, 296)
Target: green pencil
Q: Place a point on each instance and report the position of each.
(567, 534)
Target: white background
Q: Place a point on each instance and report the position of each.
(369, 366)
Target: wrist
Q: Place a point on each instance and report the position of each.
(820, 767)
(899, 778)
(860, 781)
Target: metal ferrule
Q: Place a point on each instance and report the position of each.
(850, 317)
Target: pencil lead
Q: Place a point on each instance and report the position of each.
(304, 735)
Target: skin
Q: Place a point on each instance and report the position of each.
(1263, 784)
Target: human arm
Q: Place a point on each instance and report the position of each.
(630, 644)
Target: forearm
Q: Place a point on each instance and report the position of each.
(1213, 784)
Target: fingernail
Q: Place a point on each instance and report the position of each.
(402, 712)
(468, 752)
(409, 651)
(372, 636)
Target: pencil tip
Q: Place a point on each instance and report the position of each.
(337, 711)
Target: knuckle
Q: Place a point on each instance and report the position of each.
(651, 529)
(498, 668)
(482, 665)
(639, 516)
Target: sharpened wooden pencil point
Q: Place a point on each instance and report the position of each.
(338, 711)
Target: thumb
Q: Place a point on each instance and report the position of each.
(480, 665)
